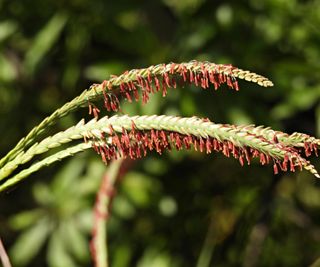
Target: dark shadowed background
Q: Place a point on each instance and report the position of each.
(181, 208)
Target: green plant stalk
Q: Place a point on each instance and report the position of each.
(99, 241)
(96, 92)
(207, 249)
(44, 163)
(73, 133)
(40, 129)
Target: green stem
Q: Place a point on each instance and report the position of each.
(104, 196)
(46, 123)
(43, 163)
(208, 247)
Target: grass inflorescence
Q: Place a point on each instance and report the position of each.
(124, 136)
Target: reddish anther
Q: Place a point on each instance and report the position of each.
(213, 80)
(195, 144)
(208, 145)
(186, 142)
(148, 87)
(246, 152)
(128, 97)
(241, 160)
(229, 82)
(196, 79)
(145, 97)
(157, 84)
(140, 81)
(284, 165)
(315, 149)
(235, 85)
(203, 83)
(172, 68)
(263, 159)
(136, 94)
(164, 88)
(166, 79)
(191, 76)
(275, 168)
(235, 152)
(255, 153)
(107, 104)
(149, 77)
(122, 87)
(178, 142)
(292, 165)
(226, 150)
(116, 142)
(183, 73)
(201, 145)
(173, 83)
(125, 138)
(96, 112)
(307, 149)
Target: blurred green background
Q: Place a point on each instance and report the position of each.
(182, 208)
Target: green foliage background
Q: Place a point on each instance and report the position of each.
(180, 209)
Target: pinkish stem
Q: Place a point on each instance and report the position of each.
(3, 256)
(99, 249)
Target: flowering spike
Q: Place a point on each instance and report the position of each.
(134, 136)
(203, 74)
